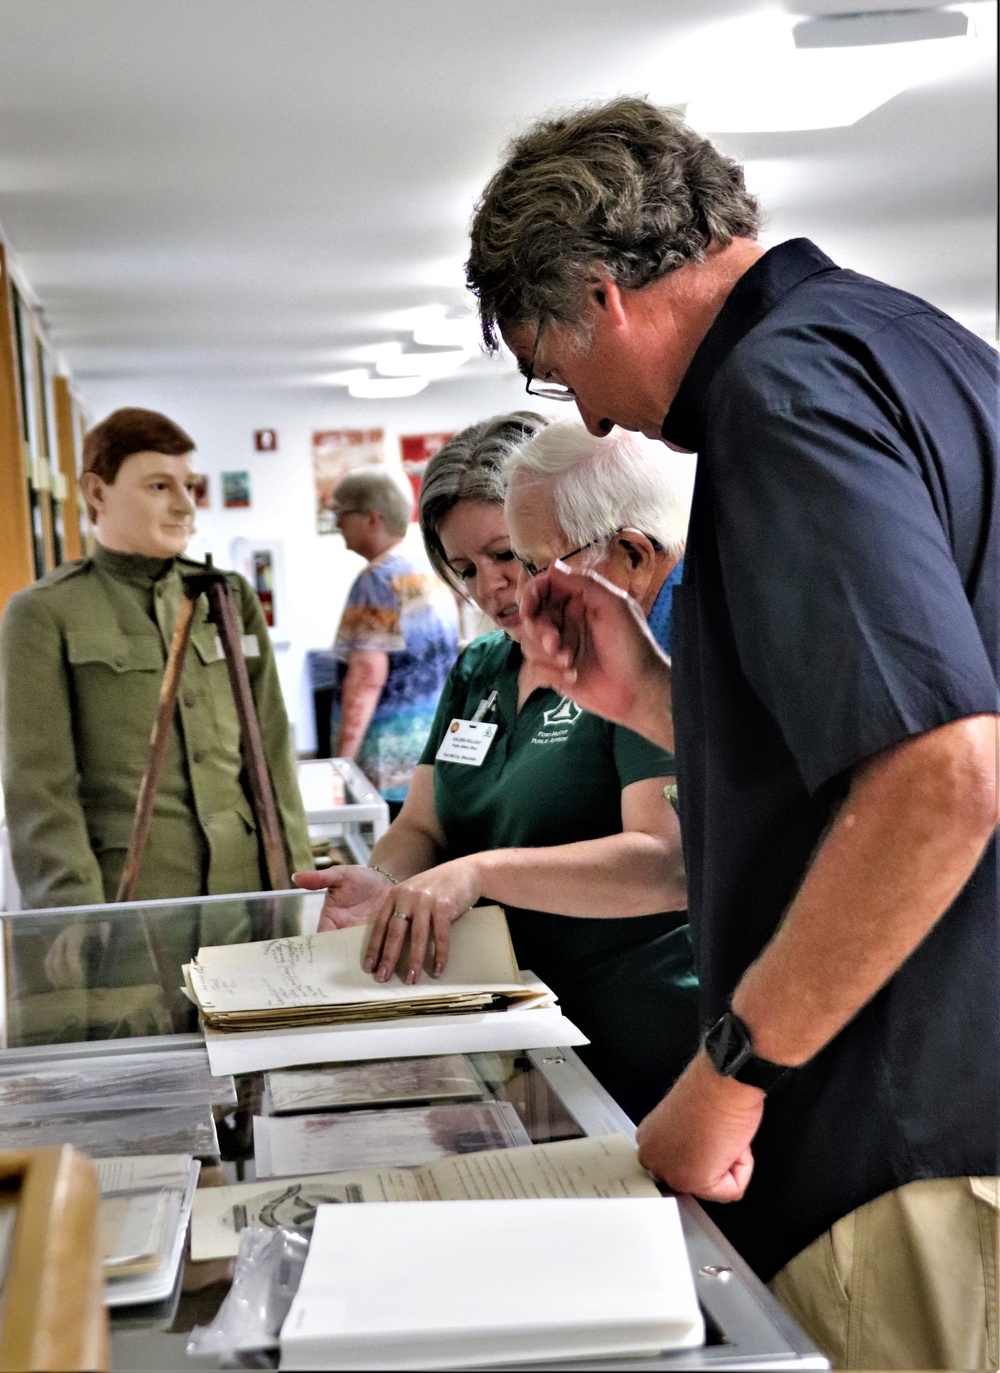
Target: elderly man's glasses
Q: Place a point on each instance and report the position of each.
(546, 390)
(534, 571)
(530, 567)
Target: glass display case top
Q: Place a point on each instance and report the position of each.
(114, 972)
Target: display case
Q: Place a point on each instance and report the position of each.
(126, 961)
(342, 806)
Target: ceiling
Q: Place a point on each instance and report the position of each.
(248, 192)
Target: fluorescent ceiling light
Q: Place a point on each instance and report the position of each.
(429, 365)
(879, 27)
(448, 333)
(385, 388)
(342, 378)
(748, 76)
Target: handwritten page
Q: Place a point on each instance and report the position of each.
(323, 970)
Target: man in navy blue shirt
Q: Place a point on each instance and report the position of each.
(832, 702)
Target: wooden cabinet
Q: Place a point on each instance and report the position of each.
(41, 517)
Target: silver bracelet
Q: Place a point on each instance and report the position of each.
(388, 875)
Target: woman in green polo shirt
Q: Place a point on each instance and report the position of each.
(562, 819)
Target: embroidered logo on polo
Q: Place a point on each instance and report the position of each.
(557, 722)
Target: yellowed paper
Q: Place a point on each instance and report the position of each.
(605, 1166)
(318, 979)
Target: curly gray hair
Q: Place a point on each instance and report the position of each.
(625, 188)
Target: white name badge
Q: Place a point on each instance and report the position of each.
(251, 648)
(467, 741)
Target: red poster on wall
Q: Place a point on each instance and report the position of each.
(416, 451)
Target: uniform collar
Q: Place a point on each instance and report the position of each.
(131, 567)
(756, 292)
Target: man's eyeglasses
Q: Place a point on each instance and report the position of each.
(546, 390)
(339, 514)
(534, 571)
(530, 567)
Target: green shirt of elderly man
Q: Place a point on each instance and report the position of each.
(82, 656)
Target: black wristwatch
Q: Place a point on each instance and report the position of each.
(730, 1051)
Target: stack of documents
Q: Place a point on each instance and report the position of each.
(145, 1207)
(307, 983)
(318, 979)
(551, 1279)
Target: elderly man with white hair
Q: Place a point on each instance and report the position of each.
(609, 503)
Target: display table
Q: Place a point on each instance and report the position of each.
(341, 803)
(130, 966)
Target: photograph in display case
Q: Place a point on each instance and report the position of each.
(381, 1082)
(394, 1138)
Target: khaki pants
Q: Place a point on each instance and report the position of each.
(907, 1281)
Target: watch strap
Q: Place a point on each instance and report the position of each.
(729, 1046)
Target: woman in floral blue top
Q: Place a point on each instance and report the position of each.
(397, 638)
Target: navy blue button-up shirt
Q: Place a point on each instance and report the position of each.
(841, 594)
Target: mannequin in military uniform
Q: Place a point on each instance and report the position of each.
(82, 655)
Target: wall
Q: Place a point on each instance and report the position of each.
(318, 569)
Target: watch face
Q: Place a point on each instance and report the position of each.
(728, 1044)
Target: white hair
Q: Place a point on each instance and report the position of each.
(601, 486)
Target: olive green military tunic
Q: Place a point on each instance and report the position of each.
(82, 655)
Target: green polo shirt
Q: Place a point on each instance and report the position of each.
(554, 774)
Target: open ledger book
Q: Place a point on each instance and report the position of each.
(603, 1166)
(318, 979)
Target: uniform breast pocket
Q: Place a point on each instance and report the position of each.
(116, 680)
(207, 673)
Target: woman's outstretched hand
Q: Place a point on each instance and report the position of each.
(354, 895)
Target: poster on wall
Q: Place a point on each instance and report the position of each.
(236, 490)
(416, 451)
(201, 495)
(262, 561)
(265, 440)
(335, 453)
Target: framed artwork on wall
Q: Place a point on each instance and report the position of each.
(335, 453)
(265, 440)
(262, 562)
(236, 490)
(416, 451)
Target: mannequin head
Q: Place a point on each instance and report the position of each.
(139, 483)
